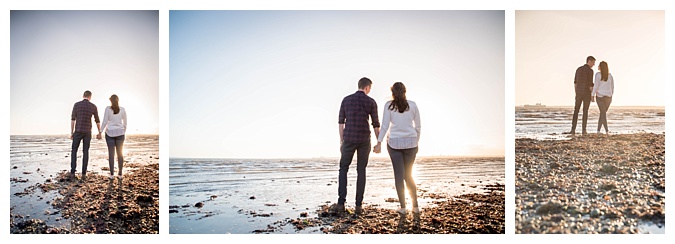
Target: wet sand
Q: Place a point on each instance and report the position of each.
(99, 204)
(465, 214)
(591, 184)
(44, 199)
(292, 197)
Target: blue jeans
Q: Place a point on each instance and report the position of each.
(402, 160)
(77, 138)
(115, 144)
(347, 149)
(603, 105)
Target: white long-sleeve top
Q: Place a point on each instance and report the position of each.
(404, 128)
(114, 124)
(603, 88)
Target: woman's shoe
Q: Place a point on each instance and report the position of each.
(416, 214)
(401, 212)
(111, 177)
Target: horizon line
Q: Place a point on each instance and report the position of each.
(337, 157)
(520, 105)
(139, 134)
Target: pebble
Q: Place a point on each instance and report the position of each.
(604, 184)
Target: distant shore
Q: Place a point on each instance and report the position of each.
(591, 184)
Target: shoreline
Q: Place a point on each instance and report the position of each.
(591, 184)
(474, 213)
(99, 205)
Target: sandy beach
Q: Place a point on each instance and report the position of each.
(46, 200)
(591, 184)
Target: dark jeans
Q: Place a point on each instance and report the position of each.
(586, 100)
(115, 144)
(77, 138)
(603, 105)
(402, 160)
(347, 149)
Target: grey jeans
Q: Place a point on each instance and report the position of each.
(402, 160)
(603, 105)
(115, 144)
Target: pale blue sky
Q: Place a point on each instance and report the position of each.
(551, 45)
(57, 55)
(266, 84)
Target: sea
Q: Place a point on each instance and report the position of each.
(544, 122)
(241, 196)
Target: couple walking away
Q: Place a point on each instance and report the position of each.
(114, 124)
(401, 119)
(588, 91)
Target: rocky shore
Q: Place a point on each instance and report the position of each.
(99, 204)
(465, 214)
(590, 184)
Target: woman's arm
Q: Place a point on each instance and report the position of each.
(106, 117)
(386, 119)
(418, 123)
(124, 119)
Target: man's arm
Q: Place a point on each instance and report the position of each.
(98, 123)
(98, 126)
(341, 130)
(72, 128)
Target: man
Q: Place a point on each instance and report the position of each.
(80, 129)
(583, 85)
(355, 136)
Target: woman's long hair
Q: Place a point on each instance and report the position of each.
(604, 71)
(399, 101)
(114, 101)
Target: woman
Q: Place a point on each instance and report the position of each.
(115, 126)
(603, 90)
(402, 119)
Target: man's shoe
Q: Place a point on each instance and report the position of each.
(339, 208)
(358, 209)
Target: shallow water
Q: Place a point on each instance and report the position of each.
(552, 122)
(286, 188)
(38, 158)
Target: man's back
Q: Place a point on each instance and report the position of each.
(354, 112)
(583, 79)
(82, 112)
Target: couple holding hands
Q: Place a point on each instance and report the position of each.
(400, 120)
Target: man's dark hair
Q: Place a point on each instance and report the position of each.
(590, 58)
(87, 93)
(363, 82)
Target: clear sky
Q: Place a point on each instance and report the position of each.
(268, 84)
(551, 45)
(57, 55)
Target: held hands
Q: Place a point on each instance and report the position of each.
(98, 137)
(593, 99)
(377, 148)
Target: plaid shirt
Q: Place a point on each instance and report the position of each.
(583, 80)
(354, 112)
(82, 112)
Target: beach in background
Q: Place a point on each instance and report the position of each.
(43, 199)
(551, 122)
(265, 195)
